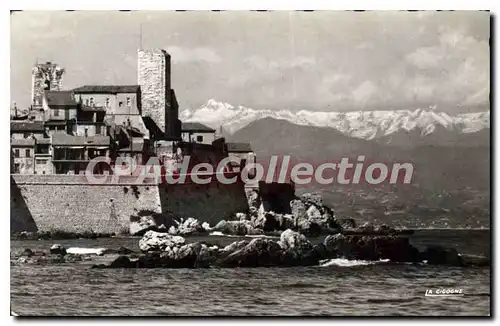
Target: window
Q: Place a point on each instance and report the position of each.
(86, 132)
(107, 101)
(41, 161)
(26, 134)
(56, 112)
(128, 101)
(16, 168)
(120, 103)
(28, 153)
(199, 139)
(16, 153)
(98, 129)
(91, 101)
(87, 102)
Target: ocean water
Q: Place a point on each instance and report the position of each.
(337, 288)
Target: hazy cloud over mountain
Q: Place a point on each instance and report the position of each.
(280, 60)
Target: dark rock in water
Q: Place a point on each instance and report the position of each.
(347, 223)
(28, 252)
(57, 249)
(121, 262)
(124, 251)
(394, 248)
(438, 255)
(384, 229)
(473, 260)
(258, 253)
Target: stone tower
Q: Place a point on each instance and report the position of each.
(153, 75)
(45, 76)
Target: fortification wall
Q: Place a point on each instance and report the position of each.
(69, 203)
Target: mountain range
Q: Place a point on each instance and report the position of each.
(389, 126)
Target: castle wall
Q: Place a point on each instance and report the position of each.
(69, 203)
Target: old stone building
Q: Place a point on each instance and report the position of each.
(195, 132)
(44, 76)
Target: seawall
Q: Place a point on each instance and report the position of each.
(70, 203)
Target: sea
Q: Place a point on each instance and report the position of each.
(337, 287)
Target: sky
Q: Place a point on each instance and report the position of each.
(322, 60)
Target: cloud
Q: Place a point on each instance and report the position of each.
(198, 54)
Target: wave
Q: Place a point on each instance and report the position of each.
(220, 234)
(86, 251)
(343, 262)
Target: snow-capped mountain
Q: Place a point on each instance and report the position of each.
(359, 124)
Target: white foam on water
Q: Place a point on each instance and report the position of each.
(220, 234)
(86, 251)
(342, 262)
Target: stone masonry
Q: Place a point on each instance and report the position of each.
(153, 75)
(45, 75)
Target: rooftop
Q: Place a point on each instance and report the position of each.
(107, 89)
(26, 126)
(60, 98)
(195, 127)
(22, 142)
(63, 139)
(239, 147)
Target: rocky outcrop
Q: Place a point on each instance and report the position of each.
(437, 255)
(190, 226)
(394, 248)
(57, 249)
(157, 242)
(242, 227)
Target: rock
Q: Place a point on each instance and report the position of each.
(298, 209)
(241, 216)
(367, 228)
(28, 252)
(473, 260)
(237, 245)
(384, 229)
(258, 253)
(309, 228)
(57, 249)
(312, 198)
(172, 230)
(253, 198)
(157, 242)
(237, 228)
(190, 226)
(347, 223)
(122, 262)
(142, 225)
(313, 213)
(271, 222)
(437, 255)
(206, 227)
(124, 251)
(221, 226)
(396, 249)
(290, 240)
